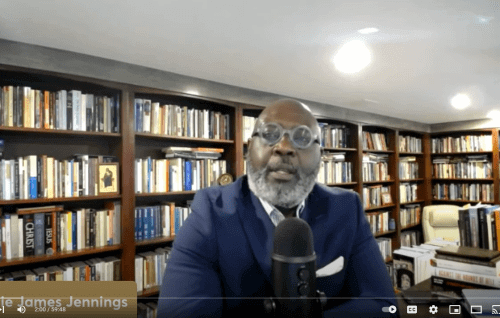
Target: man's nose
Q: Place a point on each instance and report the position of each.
(284, 147)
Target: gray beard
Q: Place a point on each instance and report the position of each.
(285, 195)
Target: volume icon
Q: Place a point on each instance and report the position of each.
(21, 309)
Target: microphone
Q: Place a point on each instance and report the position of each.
(294, 272)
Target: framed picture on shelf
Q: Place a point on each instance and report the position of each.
(109, 173)
(386, 198)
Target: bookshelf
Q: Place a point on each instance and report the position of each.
(463, 166)
(49, 146)
(127, 145)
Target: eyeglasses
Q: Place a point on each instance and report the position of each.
(301, 136)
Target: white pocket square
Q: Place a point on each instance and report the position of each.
(332, 268)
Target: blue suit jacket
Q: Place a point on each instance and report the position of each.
(220, 263)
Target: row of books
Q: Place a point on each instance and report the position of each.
(180, 121)
(176, 174)
(410, 238)
(334, 136)
(331, 172)
(385, 246)
(465, 170)
(379, 221)
(407, 192)
(412, 264)
(162, 220)
(410, 214)
(375, 167)
(479, 226)
(466, 143)
(410, 144)
(150, 267)
(94, 269)
(374, 141)
(248, 125)
(408, 169)
(62, 110)
(372, 196)
(32, 176)
(463, 191)
(33, 231)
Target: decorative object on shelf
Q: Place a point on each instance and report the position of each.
(109, 174)
(386, 198)
(225, 179)
(392, 224)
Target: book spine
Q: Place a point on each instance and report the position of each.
(69, 110)
(467, 267)
(39, 234)
(29, 235)
(48, 234)
(463, 276)
(33, 193)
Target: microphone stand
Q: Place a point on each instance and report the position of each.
(319, 304)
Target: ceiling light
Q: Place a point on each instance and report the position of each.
(460, 101)
(483, 20)
(494, 114)
(368, 30)
(192, 92)
(352, 57)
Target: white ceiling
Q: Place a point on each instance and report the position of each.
(426, 50)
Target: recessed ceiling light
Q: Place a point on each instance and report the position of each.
(494, 114)
(352, 57)
(368, 30)
(460, 101)
(483, 20)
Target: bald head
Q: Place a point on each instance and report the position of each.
(289, 110)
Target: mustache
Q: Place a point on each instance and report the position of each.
(281, 166)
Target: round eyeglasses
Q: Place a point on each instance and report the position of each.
(301, 136)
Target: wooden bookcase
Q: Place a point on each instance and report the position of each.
(128, 145)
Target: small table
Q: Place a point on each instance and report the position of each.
(423, 310)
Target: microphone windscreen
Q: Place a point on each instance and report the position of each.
(293, 238)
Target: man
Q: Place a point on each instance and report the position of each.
(220, 263)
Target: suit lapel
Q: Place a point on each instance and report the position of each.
(257, 227)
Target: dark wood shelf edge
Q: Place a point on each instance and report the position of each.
(167, 137)
(154, 194)
(149, 292)
(70, 199)
(59, 255)
(59, 132)
(380, 207)
(155, 241)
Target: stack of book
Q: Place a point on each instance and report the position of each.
(412, 264)
(150, 267)
(461, 144)
(374, 141)
(466, 267)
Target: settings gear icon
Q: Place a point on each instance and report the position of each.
(433, 309)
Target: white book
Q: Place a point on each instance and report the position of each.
(20, 162)
(8, 237)
(138, 175)
(83, 112)
(139, 273)
(156, 118)
(20, 223)
(14, 234)
(471, 268)
(165, 210)
(63, 111)
(78, 229)
(76, 100)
